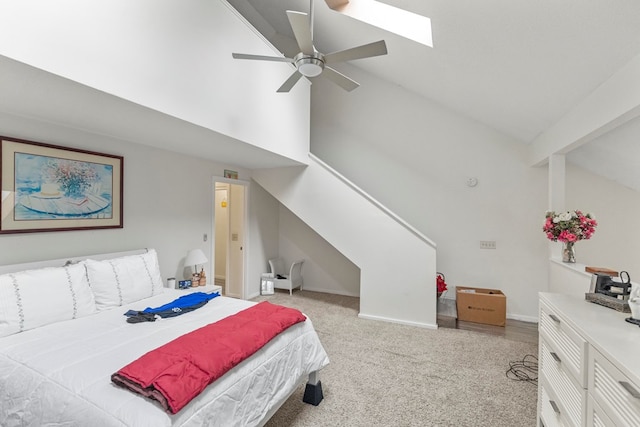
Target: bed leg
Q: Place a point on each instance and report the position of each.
(313, 391)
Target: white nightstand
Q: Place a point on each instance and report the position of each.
(207, 289)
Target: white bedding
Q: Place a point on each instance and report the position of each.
(59, 374)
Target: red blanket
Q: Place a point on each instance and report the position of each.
(179, 370)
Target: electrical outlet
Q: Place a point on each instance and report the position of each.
(487, 244)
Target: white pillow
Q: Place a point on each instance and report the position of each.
(124, 280)
(33, 298)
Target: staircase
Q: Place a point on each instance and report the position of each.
(397, 263)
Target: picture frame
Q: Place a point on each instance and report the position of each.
(46, 187)
(230, 174)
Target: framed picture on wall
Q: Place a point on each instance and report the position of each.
(52, 188)
(230, 174)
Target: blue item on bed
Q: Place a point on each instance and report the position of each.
(184, 304)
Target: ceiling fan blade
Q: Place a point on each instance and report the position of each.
(365, 51)
(340, 79)
(301, 30)
(261, 57)
(290, 83)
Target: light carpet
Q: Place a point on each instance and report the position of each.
(385, 374)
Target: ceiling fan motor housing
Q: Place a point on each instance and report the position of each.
(309, 65)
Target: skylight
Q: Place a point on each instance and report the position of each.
(398, 21)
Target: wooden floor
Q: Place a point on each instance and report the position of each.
(515, 330)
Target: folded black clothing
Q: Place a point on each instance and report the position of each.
(141, 317)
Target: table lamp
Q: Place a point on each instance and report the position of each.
(195, 257)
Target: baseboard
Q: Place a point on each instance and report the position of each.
(531, 319)
(398, 321)
(521, 317)
(330, 291)
(253, 295)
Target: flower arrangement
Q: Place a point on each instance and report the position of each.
(441, 285)
(569, 227)
(73, 177)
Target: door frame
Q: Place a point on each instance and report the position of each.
(245, 230)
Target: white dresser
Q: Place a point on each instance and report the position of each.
(589, 364)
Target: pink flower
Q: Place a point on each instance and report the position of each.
(569, 226)
(566, 236)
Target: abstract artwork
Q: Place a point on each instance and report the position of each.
(52, 188)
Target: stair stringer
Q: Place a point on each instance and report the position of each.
(397, 263)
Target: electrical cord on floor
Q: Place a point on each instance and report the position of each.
(524, 370)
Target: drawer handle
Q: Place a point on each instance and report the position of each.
(554, 318)
(630, 389)
(555, 357)
(554, 406)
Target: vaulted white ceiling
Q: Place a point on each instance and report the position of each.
(516, 65)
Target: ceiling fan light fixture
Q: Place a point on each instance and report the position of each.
(309, 66)
(311, 63)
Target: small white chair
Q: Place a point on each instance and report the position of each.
(292, 278)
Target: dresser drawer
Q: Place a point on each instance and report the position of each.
(551, 414)
(596, 417)
(618, 397)
(565, 342)
(571, 397)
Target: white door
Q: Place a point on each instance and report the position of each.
(235, 274)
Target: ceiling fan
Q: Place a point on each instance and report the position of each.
(311, 63)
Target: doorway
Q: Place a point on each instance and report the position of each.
(229, 237)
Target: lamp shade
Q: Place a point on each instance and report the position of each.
(195, 257)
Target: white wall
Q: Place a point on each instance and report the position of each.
(325, 269)
(280, 233)
(173, 56)
(415, 157)
(262, 239)
(568, 278)
(616, 242)
(613, 103)
(167, 202)
(397, 265)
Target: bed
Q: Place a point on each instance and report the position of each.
(57, 357)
